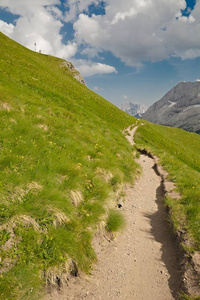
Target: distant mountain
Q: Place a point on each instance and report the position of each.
(133, 108)
(180, 107)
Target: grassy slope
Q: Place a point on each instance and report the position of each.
(179, 153)
(57, 140)
(60, 143)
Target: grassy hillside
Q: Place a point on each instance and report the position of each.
(179, 153)
(63, 162)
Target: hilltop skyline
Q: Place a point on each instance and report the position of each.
(127, 51)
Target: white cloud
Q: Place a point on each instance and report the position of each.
(89, 30)
(56, 12)
(133, 30)
(139, 6)
(38, 27)
(90, 52)
(142, 30)
(6, 28)
(26, 7)
(75, 7)
(67, 51)
(89, 68)
(189, 19)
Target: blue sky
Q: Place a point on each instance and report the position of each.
(130, 50)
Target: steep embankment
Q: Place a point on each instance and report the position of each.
(178, 153)
(61, 170)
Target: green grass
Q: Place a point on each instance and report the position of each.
(115, 221)
(179, 153)
(183, 296)
(62, 159)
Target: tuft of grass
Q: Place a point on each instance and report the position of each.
(115, 221)
(183, 296)
(4, 236)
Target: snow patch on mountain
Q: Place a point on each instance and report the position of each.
(134, 108)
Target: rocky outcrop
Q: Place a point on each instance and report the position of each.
(180, 107)
(74, 72)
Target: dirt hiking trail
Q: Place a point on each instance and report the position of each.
(142, 262)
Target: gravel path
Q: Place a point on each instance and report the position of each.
(141, 263)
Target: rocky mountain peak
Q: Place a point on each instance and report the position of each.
(180, 107)
(133, 108)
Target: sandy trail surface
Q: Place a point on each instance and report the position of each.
(142, 262)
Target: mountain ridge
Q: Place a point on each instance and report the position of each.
(180, 107)
(133, 108)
